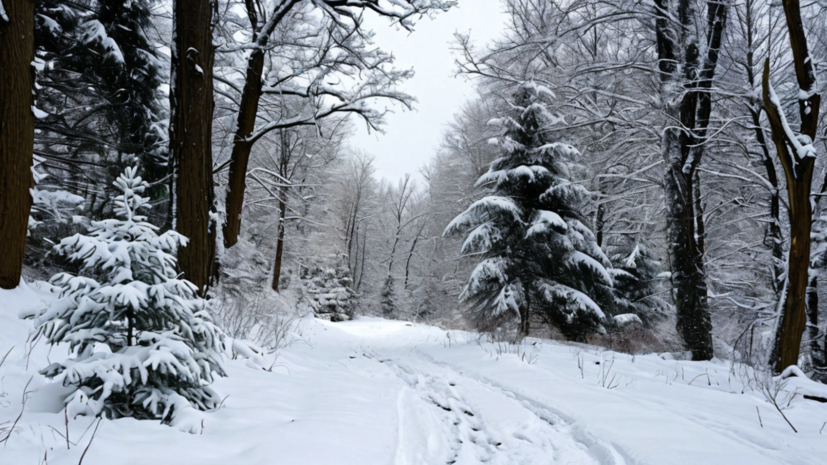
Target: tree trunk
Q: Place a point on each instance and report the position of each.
(688, 275)
(247, 111)
(793, 318)
(682, 151)
(191, 103)
(774, 232)
(16, 135)
(362, 261)
(798, 171)
(700, 232)
(242, 147)
(279, 243)
(525, 313)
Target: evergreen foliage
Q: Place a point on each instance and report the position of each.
(538, 256)
(387, 299)
(98, 77)
(144, 345)
(635, 274)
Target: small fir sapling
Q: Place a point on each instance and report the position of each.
(142, 341)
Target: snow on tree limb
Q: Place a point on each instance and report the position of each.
(483, 209)
(552, 292)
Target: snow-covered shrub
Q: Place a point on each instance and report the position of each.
(539, 258)
(329, 292)
(142, 341)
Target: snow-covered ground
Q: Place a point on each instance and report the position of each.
(373, 391)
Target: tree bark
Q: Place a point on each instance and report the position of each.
(798, 170)
(16, 135)
(279, 244)
(242, 147)
(191, 102)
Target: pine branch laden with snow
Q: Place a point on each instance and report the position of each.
(537, 255)
(144, 345)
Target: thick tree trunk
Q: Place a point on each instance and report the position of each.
(793, 317)
(279, 244)
(688, 275)
(798, 170)
(682, 151)
(16, 135)
(191, 102)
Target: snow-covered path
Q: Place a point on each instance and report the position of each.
(373, 391)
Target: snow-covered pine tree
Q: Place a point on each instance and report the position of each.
(100, 56)
(129, 73)
(635, 275)
(387, 298)
(144, 345)
(538, 256)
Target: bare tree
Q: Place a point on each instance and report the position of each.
(344, 28)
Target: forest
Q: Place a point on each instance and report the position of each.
(180, 188)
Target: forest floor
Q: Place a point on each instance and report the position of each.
(374, 391)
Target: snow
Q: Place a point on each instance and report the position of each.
(374, 391)
(578, 258)
(95, 32)
(545, 220)
(802, 143)
(480, 210)
(38, 113)
(3, 15)
(627, 319)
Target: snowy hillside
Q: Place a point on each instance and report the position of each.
(373, 391)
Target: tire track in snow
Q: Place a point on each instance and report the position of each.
(457, 419)
(602, 452)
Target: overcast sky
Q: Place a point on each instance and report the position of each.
(412, 137)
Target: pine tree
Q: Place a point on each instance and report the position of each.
(145, 346)
(635, 274)
(538, 256)
(387, 298)
(129, 73)
(98, 76)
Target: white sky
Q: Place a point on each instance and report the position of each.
(412, 137)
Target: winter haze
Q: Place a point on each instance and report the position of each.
(413, 232)
(411, 137)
